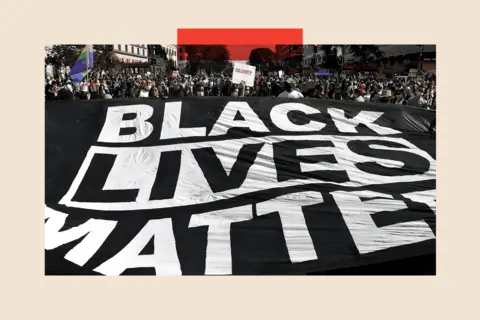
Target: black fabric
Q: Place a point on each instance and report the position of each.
(258, 245)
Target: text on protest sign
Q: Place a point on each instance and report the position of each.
(243, 72)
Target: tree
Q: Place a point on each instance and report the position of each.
(365, 53)
(330, 49)
(213, 58)
(260, 56)
(68, 54)
(332, 59)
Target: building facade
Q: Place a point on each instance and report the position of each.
(131, 53)
(287, 52)
(182, 57)
(310, 58)
(171, 51)
(398, 59)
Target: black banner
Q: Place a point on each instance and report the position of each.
(237, 186)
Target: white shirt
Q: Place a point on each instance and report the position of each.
(293, 94)
(143, 94)
(359, 99)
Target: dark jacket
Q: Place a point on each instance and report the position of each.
(65, 94)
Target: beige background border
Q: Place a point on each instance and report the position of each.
(28, 25)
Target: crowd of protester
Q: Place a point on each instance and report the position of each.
(355, 87)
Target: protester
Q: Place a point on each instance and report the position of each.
(235, 92)
(311, 93)
(154, 93)
(399, 97)
(50, 91)
(358, 96)
(385, 96)
(144, 91)
(357, 87)
(418, 100)
(66, 93)
(200, 90)
(289, 90)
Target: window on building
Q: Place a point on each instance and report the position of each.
(143, 52)
(119, 47)
(133, 50)
(181, 58)
(126, 48)
(180, 50)
(138, 51)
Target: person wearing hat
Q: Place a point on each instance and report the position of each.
(385, 96)
(289, 91)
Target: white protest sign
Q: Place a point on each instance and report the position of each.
(280, 74)
(243, 72)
